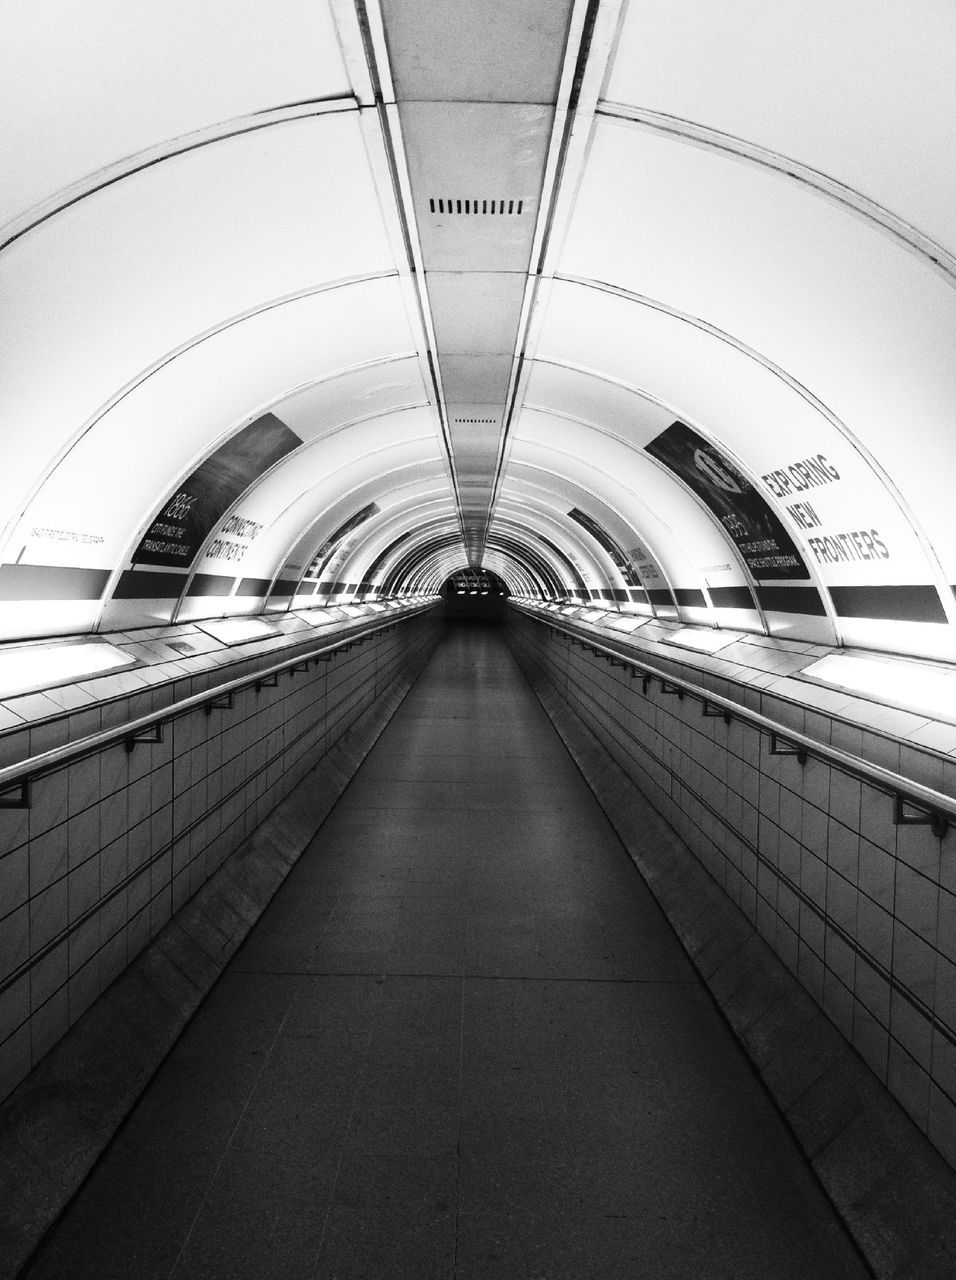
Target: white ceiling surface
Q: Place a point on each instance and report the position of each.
(742, 239)
(119, 473)
(346, 467)
(865, 93)
(516, 518)
(84, 86)
(530, 483)
(189, 244)
(412, 507)
(839, 306)
(760, 421)
(411, 504)
(681, 558)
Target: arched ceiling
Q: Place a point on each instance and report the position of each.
(648, 301)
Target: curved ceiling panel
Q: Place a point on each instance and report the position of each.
(525, 523)
(651, 303)
(348, 469)
(409, 507)
(856, 532)
(133, 76)
(189, 245)
(862, 96)
(522, 512)
(835, 304)
(619, 573)
(369, 458)
(695, 556)
(124, 464)
(516, 579)
(407, 520)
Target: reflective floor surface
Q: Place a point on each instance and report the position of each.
(462, 1042)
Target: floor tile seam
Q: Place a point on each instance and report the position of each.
(358, 1086)
(458, 1136)
(491, 810)
(457, 975)
(416, 779)
(235, 1129)
(480, 753)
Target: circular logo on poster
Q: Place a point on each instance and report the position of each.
(716, 472)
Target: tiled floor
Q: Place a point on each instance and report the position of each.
(462, 1042)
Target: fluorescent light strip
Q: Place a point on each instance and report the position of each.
(911, 686)
(705, 641)
(238, 630)
(629, 623)
(27, 668)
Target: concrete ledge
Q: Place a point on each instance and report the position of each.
(891, 1187)
(57, 1123)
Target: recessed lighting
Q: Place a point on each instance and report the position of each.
(703, 641)
(27, 668)
(895, 682)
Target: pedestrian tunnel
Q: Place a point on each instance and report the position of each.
(333, 333)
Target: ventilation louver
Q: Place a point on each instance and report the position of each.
(481, 421)
(506, 207)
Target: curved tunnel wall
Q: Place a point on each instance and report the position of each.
(642, 306)
(733, 355)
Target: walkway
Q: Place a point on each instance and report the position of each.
(462, 1042)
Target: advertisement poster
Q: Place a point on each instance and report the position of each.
(323, 556)
(604, 539)
(177, 533)
(768, 550)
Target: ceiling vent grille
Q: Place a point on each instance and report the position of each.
(512, 207)
(477, 420)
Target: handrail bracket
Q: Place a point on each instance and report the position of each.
(907, 814)
(152, 734)
(17, 797)
(781, 747)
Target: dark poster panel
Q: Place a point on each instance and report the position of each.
(769, 551)
(177, 533)
(604, 539)
(328, 547)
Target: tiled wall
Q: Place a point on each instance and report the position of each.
(113, 845)
(863, 911)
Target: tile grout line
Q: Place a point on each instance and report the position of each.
(359, 1083)
(225, 1151)
(461, 1106)
(477, 977)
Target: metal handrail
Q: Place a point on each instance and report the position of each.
(940, 809)
(131, 730)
